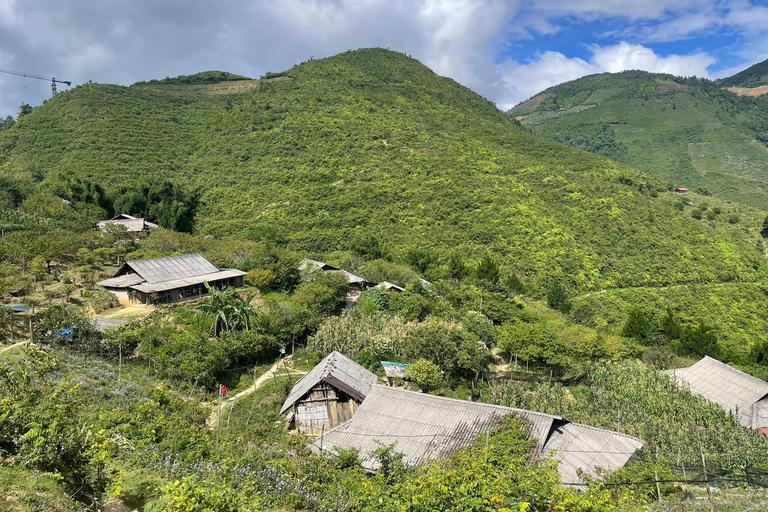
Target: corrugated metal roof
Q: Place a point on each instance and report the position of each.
(308, 263)
(187, 281)
(337, 370)
(132, 225)
(390, 286)
(314, 265)
(425, 427)
(728, 387)
(123, 281)
(168, 268)
(585, 448)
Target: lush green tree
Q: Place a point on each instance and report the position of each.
(638, 325)
(24, 109)
(558, 298)
(228, 310)
(534, 343)
(420, 259)
(457, 268)
(488, 269)
(514, 284)
(425, 374)
(700, 340)
(324, 294)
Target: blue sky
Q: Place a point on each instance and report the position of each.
(506, 50)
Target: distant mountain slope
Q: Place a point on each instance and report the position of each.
(689, 132)
(753, 76)
(372, 143)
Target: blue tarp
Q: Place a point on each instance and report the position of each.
(65, 333)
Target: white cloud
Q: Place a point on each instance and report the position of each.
(521, 81)
(113, 41)
(633, 56)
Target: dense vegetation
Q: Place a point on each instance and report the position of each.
(206, 77)
(753, 76)
(688, 131)
(546, 264)
(372, 144)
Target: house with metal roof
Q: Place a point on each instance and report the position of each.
(131, 224)
(169, 279)
(356, 283)
(425, 427)
(737, 392)
(329, 394)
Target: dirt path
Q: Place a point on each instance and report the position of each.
(9, 347)
(213, 419)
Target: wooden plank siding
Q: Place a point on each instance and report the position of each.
(324, 408)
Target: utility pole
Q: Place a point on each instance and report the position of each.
(218, 416)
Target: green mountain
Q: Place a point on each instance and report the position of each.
(689, 132)
(372, 145)
(753, 76)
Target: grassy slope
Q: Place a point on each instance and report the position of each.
(373, 142)
(692, 135)
(753, 76)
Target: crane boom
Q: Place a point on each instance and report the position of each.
(30, 75)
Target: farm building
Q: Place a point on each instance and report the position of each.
(329, 394)
(131, 224)
(426, 427)
(169, 279)
(735, 391)
(387, 286)
(393, 371)
(681, 190)
(356, 283)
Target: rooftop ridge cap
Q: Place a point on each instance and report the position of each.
(458, 400)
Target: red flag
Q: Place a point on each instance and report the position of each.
(223, 391)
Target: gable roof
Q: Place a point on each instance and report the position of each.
(340, 372)
(132, 224)
(314, 265)
(427, 427)
(157, 270)
(167, 273)
(732, 389)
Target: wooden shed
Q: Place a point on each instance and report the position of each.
(329, 394)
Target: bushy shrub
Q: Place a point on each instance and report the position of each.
(424, 374)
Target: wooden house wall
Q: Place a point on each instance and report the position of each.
(322, 409)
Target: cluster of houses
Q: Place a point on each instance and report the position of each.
(183, 277)
(342, 405)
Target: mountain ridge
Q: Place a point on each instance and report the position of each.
(372, 143)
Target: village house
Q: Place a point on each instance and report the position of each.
(425, 427)
(356, 283)
(169, 279)
(735, 391)
(681, 190)
(328, 395)
(131, 224)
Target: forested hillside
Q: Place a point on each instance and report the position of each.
(753, 76)
(690, 132)
(372, 144)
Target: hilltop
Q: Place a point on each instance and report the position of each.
(690, 132)
(753, 76)
(371, 144)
